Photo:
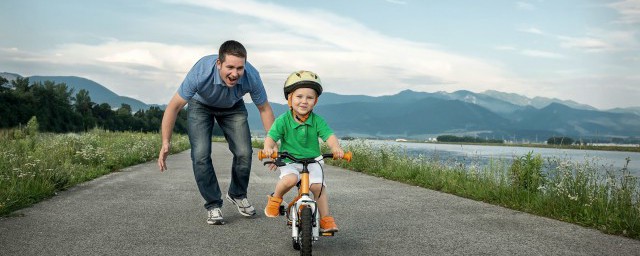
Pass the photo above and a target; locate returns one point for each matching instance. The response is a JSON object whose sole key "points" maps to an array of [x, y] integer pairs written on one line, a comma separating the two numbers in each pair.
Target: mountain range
{"points": [[420, 115]]}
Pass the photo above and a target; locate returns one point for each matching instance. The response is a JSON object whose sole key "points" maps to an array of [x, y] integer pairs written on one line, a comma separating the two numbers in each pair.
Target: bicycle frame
{"points": [[294, 211]]}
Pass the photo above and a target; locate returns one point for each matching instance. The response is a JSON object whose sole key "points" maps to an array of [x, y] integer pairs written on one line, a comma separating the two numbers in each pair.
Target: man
{"points": [[214, 88]]}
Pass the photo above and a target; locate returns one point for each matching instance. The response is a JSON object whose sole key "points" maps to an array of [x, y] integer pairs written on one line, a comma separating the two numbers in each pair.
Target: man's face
{"points": [[231, 69]]}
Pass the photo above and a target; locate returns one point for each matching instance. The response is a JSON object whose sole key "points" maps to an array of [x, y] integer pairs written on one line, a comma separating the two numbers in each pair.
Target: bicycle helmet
{"points": [[302, 79]]}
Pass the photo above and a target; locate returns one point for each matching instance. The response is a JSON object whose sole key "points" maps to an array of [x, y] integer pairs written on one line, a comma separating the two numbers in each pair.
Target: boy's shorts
{"points": [[315, 172]]}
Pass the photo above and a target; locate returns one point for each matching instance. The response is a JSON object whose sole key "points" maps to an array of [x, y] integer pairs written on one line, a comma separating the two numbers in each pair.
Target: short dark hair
{"points": [[232, 47]]}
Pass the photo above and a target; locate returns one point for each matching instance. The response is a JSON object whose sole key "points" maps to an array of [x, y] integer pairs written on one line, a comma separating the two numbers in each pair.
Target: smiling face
{"points": [[303, 100], [231, 69]]}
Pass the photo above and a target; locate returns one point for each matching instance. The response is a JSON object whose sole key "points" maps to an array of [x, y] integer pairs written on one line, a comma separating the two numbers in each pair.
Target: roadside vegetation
{"points": [[622, 148], [582, 193], [34, 166]]}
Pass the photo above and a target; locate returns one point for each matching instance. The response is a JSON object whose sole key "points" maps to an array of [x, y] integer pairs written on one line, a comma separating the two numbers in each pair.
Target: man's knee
{"points": [[243, 153]]}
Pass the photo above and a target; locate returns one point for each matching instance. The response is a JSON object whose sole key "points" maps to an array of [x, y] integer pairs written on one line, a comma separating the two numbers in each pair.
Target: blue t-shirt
{"points": [[204, 84]]}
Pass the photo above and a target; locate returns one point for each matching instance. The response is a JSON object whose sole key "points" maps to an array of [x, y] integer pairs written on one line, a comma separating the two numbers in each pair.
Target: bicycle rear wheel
{"points": [[306, 230]]}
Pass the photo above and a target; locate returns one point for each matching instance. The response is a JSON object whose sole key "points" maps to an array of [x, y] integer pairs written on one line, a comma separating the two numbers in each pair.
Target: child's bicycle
{"points": [[302, 213]]}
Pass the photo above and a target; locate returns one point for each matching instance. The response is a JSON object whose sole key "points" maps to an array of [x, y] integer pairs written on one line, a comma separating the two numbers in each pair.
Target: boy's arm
{"points": [[270, 146], [334, 145]]}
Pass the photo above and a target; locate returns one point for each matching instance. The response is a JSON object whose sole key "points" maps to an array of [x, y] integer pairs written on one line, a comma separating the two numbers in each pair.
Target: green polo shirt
{"points": [[300, 140]]}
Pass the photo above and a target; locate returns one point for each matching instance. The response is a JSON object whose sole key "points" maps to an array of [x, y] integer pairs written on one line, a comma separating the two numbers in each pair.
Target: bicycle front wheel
{"points": [[306, 230]]}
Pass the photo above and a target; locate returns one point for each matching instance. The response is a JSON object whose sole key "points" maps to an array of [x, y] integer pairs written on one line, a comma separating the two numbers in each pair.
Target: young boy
{"points": [[299, 130]]}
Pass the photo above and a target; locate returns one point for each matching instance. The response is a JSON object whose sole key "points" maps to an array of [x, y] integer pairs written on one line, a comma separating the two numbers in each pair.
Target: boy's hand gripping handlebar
{"points": [[281, 155]]}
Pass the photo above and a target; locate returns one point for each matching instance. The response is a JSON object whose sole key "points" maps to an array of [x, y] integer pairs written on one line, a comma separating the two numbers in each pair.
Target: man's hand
{"points": [[162, 157]]}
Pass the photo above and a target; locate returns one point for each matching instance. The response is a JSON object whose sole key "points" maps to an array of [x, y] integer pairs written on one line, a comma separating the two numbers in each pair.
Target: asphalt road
{"points": [[141, 211]]}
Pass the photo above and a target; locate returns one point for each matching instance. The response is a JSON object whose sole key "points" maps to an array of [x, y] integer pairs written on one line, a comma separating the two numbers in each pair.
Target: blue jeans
{"points": [[235, 127]]}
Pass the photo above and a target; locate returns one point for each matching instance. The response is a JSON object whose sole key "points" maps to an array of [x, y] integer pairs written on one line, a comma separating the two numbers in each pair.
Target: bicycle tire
{"points": [[306, 231], [296, 245]]}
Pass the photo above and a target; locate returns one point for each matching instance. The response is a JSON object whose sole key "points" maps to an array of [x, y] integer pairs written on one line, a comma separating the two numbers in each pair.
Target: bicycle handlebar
{"points": [[347, 156]]}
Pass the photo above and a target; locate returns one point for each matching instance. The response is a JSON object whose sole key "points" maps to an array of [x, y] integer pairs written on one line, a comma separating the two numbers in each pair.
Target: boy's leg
{"points": [[285, 184], [319, 189], [327, 222], [200, 125], [323, 201]]}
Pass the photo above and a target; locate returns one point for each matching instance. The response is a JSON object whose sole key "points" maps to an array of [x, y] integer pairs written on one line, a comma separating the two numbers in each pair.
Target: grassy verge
{"points": [[34, 167], [582, 193], [535, 145]]}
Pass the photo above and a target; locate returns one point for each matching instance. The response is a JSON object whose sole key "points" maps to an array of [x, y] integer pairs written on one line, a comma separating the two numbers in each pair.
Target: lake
{"points": [[482, 154]]}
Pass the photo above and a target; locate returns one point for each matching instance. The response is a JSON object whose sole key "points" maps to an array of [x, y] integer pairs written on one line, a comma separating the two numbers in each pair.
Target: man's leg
{"points": [[200, 128], [236, 130]]}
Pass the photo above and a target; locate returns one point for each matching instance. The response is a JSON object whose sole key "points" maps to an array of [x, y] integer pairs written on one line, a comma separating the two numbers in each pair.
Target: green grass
{"points": [[584, 193], [36, 166]]}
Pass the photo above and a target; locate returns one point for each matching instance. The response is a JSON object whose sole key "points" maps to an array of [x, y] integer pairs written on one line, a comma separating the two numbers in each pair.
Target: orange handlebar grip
{"points": [[261, 155], [347, 156]]}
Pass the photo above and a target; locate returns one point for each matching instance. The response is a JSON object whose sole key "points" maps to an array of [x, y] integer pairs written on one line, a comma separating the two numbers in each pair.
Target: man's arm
{"points": [[266, 115], [168, 121]]}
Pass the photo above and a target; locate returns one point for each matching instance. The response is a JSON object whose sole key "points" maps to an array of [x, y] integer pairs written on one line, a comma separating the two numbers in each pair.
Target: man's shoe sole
{"points": [[216, 222], [240, 207]]}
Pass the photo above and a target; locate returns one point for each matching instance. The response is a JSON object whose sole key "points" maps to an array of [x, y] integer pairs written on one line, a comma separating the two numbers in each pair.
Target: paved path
{"points": [[140, 211]]}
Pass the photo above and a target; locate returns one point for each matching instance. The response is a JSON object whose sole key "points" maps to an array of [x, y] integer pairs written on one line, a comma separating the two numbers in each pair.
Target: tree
{"points": [[84, 105], [3, 81], [560, 141]]}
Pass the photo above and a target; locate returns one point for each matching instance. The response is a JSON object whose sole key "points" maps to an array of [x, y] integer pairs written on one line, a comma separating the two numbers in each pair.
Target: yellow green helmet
{"points": [[302, 79]]}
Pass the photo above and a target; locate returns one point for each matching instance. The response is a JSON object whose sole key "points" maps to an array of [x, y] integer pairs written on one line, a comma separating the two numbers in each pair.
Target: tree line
{"points": [[466, 139], [58, 110]]}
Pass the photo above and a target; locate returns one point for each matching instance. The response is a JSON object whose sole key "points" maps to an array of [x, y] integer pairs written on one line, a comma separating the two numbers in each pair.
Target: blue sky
{"points": [[586, 51]]}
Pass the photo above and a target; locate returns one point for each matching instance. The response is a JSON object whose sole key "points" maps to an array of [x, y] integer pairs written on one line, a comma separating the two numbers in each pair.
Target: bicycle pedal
{"points": [[282, 210], [327, 233]]}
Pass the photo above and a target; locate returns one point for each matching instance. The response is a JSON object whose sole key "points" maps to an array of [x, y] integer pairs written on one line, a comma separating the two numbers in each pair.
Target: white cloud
{"points": [[147, 71], [396, 1], [525, 6], [542, 54], [505, 48], [532, 30], [629, 11], [350, 57], [599, 40]]}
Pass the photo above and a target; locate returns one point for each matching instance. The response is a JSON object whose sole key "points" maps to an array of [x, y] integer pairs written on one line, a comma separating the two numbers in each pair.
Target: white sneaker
{"points": [[215, 217], [244, 207]]}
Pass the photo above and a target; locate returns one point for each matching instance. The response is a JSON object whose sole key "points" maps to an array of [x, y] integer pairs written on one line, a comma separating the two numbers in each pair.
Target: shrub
{"points": [[526, 172]]}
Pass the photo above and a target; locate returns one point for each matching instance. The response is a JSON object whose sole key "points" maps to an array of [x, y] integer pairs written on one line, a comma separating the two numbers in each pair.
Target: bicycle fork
{"points": [[304, 200], [295, 210]]}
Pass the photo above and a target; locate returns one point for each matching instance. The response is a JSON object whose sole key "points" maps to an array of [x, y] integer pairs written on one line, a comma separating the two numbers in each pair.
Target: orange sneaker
{"points": [[328, 224], [273, 207]]}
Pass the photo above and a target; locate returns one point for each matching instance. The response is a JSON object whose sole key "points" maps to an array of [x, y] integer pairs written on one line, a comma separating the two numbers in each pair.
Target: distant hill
{"points": [[562, 119], [98, 93], [9, 76], [420, 115], [536, 102]]}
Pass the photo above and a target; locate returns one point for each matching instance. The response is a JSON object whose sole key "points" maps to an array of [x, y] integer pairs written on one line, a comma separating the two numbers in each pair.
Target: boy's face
{"points": [[303, 100], [231, 69]]}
